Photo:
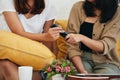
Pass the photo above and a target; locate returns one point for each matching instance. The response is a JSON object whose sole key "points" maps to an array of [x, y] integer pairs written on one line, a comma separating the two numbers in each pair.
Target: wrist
{"points": [[82, 37], [45, 37]]}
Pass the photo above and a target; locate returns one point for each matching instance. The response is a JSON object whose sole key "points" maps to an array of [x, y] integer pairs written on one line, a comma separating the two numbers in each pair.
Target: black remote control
{"points": [[63, 34]]}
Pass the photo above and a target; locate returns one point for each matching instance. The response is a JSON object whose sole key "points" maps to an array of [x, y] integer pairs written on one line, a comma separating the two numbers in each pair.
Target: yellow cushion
{"points": [[62, 47], [24, 51], [118, 46]]}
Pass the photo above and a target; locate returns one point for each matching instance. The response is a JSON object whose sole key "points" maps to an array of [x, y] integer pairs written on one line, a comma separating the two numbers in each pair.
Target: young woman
{"points": [[28, 18], [94, 27]]}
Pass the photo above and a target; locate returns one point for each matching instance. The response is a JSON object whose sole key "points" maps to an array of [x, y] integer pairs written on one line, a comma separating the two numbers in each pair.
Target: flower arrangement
{"points": [[63, 67]]}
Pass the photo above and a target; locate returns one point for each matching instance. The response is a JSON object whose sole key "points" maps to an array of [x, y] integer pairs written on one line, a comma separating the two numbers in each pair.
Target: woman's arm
{"points": [[72, 27], [47, 25], [50, 45], [76, 60], [16, 27], [92, 44]]}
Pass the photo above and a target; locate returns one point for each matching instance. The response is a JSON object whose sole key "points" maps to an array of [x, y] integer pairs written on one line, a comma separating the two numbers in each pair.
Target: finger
{"points": [[56, 35], [70, 40], [67, 37], [57, 28]]}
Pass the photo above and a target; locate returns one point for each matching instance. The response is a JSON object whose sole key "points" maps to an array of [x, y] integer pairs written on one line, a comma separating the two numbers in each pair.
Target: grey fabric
{"points": [[103, 68]]}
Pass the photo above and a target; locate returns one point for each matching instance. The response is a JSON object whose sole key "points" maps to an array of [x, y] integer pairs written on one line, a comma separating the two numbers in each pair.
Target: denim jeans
{"points": [[100, 68]]}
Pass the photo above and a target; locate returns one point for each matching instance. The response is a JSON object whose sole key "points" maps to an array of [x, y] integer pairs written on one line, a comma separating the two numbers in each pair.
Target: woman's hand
{"points": [[74, 38], [53, 33], [84, 72], [95, 45]]}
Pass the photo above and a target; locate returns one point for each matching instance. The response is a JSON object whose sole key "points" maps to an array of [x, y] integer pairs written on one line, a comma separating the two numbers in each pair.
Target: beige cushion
{"points": [[24, 51]]}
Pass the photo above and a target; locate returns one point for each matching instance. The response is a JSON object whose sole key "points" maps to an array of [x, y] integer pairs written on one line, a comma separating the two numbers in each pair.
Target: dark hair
{"points": [[89, 9], [23, 7], [107, 8]]}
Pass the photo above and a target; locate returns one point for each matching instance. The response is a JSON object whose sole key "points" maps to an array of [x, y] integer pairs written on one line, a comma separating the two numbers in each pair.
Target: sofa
{"points": [[11, 44]]}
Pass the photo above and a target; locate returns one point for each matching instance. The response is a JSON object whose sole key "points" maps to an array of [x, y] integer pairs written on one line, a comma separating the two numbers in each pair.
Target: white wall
{"points": [[63, 7]]}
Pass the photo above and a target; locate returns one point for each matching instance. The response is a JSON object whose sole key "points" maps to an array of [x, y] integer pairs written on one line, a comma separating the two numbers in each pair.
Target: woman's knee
{"points": [[5, 64], [9, 70], [107, 69], [7, 67]]}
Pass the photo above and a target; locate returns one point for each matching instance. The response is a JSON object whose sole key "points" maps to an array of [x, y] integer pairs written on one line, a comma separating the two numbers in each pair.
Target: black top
{"points": [[86, 29]]}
